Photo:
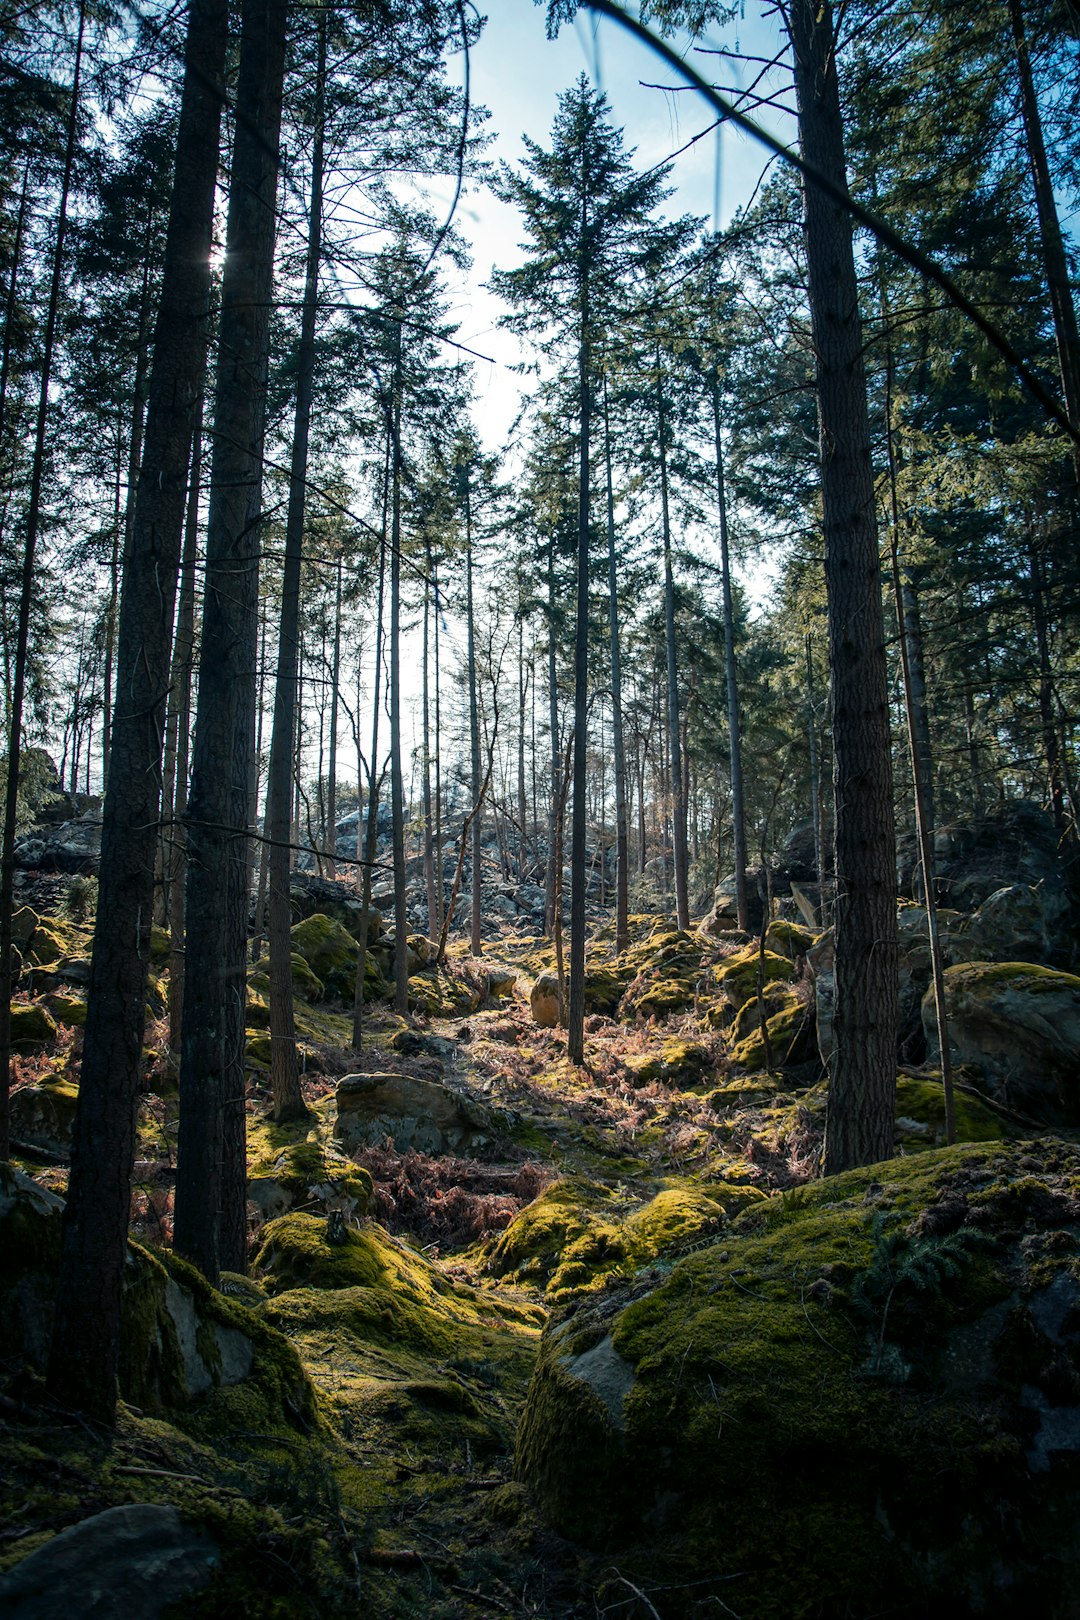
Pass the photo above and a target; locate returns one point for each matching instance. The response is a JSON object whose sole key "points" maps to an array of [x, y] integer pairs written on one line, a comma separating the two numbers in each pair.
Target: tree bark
{"points": [[862, 1081], [85, 1347], [218, 811], [1055, 262], [288, 1101], [183, 665], [477, 830], [679, 851], [575, 1013], [397, 785], [738, 810], [618, 741]]}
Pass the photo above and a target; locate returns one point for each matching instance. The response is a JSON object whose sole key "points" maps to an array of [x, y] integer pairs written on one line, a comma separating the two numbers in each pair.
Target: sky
{"points": [[518, 74]]}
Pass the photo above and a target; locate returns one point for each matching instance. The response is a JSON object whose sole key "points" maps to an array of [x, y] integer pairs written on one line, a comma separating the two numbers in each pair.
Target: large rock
{"points": [[43, 1117], [309, 894], [74, 846], [896, 1353], [1016, 843], [723, 918], [545, 1001], [1018, 1025], [1019, 923], [411, 1112], [130, 1560], [181, 1341]]}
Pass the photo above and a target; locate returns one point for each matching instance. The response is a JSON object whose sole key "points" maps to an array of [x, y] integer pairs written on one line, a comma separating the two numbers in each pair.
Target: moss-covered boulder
{"points": [[1016, 1025], [330, 951], [664, 973], [181, 1341], [866, 1400], [32, 1026], [577, 1236], [43, 1117], [67, 1008], [790, 1033], [920, 1113], [788, 939], [450, 990], [303, 1172], [737, 978], [412, 1112], [677, 1062]]}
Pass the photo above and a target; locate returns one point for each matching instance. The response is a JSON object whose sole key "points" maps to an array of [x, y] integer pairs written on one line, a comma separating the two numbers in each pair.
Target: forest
{"points": [[539, 963]]}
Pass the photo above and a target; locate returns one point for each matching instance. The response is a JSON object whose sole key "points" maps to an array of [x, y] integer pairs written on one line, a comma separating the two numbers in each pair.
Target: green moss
{"points": [[791, 1039], [304, 982], [788, 938], [737, 975], [922, 1102], [752, 1412], [32, 1026], [160, 944], [449, 991], [66, 1008], [678, 1062], [331, 953], [663, 973], [577, 1236]]}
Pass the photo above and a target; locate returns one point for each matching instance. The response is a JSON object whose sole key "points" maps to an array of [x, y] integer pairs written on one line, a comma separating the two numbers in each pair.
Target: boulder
{"points": [[330, 951], [413, 1113], [896, 1352], [44, 1116], [723, 918], [309, 894], [180, 1340], [134, 1559], [32, 1026], [545, 1001], [73, 846], [1016, 843], [1019, 923], [1017, 1025]]}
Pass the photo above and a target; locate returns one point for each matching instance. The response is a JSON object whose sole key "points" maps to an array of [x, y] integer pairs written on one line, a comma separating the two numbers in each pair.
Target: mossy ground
{"points": [[394, 1480]]}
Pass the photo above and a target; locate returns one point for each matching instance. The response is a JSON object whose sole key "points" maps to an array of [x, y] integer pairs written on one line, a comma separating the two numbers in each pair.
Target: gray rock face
{"points": [[128, 1561], [235, 1353], [1018, 1025], [411, 1112], [43, 1117], [545, 1002]]}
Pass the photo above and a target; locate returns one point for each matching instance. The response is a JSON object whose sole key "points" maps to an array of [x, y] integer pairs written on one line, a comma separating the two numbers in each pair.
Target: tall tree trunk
{"points": [[1051, 749], [179, 721], [738, 810], [335, 699], [26, 596], [815, 777], [475, 941], [434, 921], [862, 1082], [86, 1332], [575, 1014], [371, 828], [522, 795], [397, 785], [1055, 262], [218, 812], [618, 741], [138, 414], [679, 851], [556, 762], [288, 1101]]}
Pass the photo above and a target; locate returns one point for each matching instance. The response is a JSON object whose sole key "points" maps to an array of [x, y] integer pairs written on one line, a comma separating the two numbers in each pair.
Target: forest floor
{"points": [[419, 1334]]}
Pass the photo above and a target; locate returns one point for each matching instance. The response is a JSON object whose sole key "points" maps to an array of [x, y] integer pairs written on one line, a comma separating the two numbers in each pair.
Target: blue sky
{"points": [[518, 74]]}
